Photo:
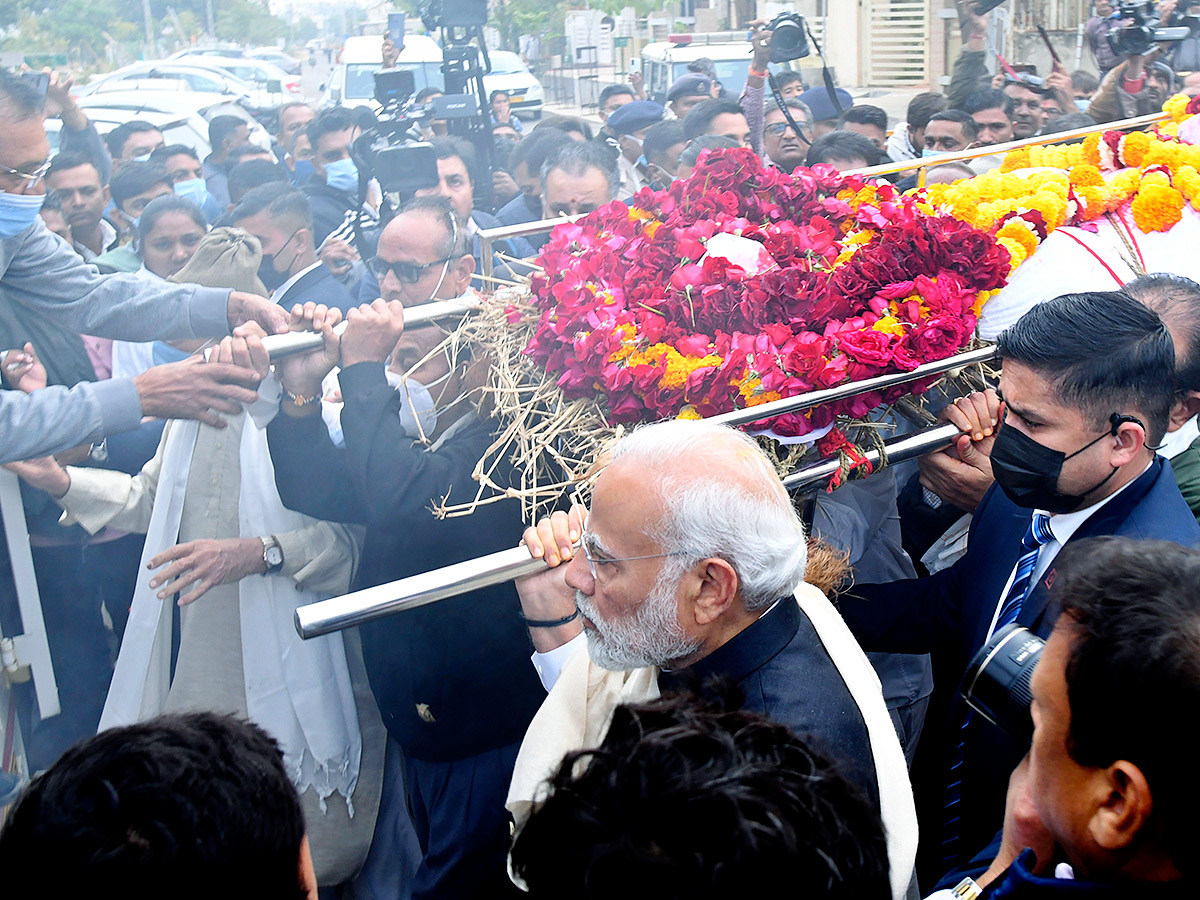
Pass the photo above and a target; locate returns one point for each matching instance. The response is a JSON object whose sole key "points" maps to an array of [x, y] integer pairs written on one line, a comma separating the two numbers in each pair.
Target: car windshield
{"points": [[506, 63]]}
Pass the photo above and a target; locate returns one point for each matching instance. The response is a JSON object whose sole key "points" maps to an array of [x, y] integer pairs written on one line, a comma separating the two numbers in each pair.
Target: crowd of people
{"points": [[675, 705]]}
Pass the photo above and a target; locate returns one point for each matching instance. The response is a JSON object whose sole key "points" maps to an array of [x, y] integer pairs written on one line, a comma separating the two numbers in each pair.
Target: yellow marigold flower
{"points": [[1157, 208], [889, 325], [651, 228], [1093, 202], [689, 412], [1176, 107], [1085, 175], [1015, 250], [1019, 231], [1016, 159], [1134, 146], [1089, 150], [679, 367]]}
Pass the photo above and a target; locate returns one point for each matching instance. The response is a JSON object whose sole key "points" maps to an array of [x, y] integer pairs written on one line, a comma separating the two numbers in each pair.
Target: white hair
{"points": [[748, 521]]}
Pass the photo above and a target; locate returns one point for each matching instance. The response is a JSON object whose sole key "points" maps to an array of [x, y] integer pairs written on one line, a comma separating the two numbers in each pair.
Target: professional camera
{"points": [[997, 681], [789, 39], [1145, 28]]}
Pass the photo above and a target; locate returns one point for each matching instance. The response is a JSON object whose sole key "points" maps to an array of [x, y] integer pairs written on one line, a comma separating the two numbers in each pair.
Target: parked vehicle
{"points": [[352, 82], [664, 61], [509, 73], [146, 75], [263, 75], [285, 61]]}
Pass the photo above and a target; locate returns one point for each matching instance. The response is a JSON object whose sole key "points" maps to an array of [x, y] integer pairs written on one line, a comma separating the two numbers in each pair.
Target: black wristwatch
{"points": [[272, 554]]}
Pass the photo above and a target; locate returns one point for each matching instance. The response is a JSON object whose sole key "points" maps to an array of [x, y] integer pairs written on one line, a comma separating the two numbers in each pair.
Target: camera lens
{"points": [[997, 681]]}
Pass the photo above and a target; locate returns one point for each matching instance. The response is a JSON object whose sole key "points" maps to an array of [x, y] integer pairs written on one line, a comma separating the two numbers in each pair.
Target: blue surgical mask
{"points": [[928, 153], [194, 189], [303, 171], [342, 175], [18, 212], [1082, 104]]}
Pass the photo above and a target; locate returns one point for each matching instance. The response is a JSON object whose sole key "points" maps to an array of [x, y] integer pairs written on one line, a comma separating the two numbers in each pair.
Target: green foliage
{"points": [[63, 25]]}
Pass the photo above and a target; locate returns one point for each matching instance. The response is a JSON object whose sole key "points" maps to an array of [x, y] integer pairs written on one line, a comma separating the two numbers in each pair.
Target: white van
{"points": [[352, 82], [665, 61]]}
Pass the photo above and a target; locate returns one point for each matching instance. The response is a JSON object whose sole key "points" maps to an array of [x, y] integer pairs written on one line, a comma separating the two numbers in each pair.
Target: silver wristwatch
{"points": [[272, 554]]}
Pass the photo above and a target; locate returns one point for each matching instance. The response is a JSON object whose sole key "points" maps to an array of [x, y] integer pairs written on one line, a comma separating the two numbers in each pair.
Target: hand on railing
{"points": [[546, 597], [962, 474]]}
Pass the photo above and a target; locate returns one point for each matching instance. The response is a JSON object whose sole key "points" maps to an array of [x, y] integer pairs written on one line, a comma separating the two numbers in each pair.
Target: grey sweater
{"points": [[39, 271]]}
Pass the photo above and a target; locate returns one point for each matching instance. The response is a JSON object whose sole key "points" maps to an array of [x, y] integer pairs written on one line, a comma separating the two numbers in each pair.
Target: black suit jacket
{"points": [[319, 286], [949, 614]]}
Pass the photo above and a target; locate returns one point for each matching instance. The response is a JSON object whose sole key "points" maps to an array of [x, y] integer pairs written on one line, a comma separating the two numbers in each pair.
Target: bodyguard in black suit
{"points": [[1088, 384], [280, 216]]}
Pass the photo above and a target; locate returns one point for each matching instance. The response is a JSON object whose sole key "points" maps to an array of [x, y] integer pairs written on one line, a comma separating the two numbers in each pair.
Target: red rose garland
{"points": [[855, 281]]}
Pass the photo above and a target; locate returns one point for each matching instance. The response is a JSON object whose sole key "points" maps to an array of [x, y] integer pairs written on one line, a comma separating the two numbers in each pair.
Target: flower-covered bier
{"points": [[855, 281]]}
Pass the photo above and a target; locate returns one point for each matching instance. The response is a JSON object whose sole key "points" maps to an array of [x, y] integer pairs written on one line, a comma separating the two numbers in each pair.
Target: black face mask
{"points": [[268, 275], [1028, 472], [267, 272]]}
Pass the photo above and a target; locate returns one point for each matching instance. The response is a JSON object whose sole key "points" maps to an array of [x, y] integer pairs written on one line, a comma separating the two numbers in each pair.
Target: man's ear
{"points": [[1186, 406], [461, 274], [1123, 810], [718, 589], [107, 194], [1131, 438]]}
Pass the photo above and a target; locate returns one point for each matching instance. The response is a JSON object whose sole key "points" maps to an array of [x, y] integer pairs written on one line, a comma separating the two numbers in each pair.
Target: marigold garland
{"points": [[1151, 173]]}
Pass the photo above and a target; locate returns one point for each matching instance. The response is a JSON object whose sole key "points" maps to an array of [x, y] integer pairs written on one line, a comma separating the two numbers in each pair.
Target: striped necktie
{"points": [[1037, 534]]}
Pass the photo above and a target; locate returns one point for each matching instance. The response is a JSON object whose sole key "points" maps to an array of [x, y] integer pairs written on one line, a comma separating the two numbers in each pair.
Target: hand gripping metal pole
{"points": [[280, 345]]}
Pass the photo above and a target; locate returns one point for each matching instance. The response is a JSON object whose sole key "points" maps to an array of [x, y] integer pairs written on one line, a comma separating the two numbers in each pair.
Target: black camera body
{"points": [[1146, 28], [789, 38]]}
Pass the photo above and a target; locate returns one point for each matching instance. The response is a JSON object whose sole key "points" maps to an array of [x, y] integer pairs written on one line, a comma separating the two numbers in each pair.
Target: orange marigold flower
{"points": [[1157, 208], [1134, 147], [1085, 175]]}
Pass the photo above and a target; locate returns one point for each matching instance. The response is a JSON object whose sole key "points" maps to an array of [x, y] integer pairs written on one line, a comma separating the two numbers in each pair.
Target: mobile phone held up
{"points": [[40, 82]]}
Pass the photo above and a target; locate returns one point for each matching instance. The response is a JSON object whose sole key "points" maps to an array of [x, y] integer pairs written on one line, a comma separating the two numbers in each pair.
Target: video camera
{"points": [[393, 151], [789, 39], [1145, 28]]}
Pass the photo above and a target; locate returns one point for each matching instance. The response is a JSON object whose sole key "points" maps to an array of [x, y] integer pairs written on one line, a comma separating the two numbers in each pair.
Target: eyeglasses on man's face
{"points": [[405, 272], [597, 559], [28, 180]]}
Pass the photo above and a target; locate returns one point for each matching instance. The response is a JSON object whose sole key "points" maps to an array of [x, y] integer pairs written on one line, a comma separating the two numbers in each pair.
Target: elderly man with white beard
{"points": [[690, 569]]}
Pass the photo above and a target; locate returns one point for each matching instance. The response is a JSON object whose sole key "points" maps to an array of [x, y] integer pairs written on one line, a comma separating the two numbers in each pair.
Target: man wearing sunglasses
{"points": [[39, 271], [452, 680]]}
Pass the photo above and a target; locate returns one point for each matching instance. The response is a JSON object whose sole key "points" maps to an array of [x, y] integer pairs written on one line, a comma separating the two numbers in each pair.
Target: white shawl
{"points": [[299, 691]]}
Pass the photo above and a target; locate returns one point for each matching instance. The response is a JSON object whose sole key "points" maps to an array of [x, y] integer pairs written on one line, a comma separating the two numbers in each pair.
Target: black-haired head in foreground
{"points": [[189, 806], [689, 800]]}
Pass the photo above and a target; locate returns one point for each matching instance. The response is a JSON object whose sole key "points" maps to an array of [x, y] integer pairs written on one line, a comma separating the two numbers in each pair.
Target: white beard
{"points": [[652, 636]]}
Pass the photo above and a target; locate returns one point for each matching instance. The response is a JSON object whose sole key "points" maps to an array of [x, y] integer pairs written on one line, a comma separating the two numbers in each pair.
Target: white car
{"points": [[285, 61], [260, 73], [182, 116], [148, 75], [509, 73]]}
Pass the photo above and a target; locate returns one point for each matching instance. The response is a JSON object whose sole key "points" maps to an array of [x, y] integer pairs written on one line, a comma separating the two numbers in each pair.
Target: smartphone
{"points": [[635, 66], [395, 29], [39, 80]]}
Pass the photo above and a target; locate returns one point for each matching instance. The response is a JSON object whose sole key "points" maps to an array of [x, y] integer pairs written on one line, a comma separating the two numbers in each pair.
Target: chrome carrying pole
{"points": [[372, 603], [280, 345], [853, 388]]}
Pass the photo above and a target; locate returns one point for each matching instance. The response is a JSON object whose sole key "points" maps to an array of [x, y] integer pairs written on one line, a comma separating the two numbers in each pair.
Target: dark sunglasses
{"points": [[406, 273]]}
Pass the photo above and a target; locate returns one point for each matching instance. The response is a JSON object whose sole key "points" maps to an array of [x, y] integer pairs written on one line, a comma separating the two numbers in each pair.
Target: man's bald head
{"points": [[1176, 299]]}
